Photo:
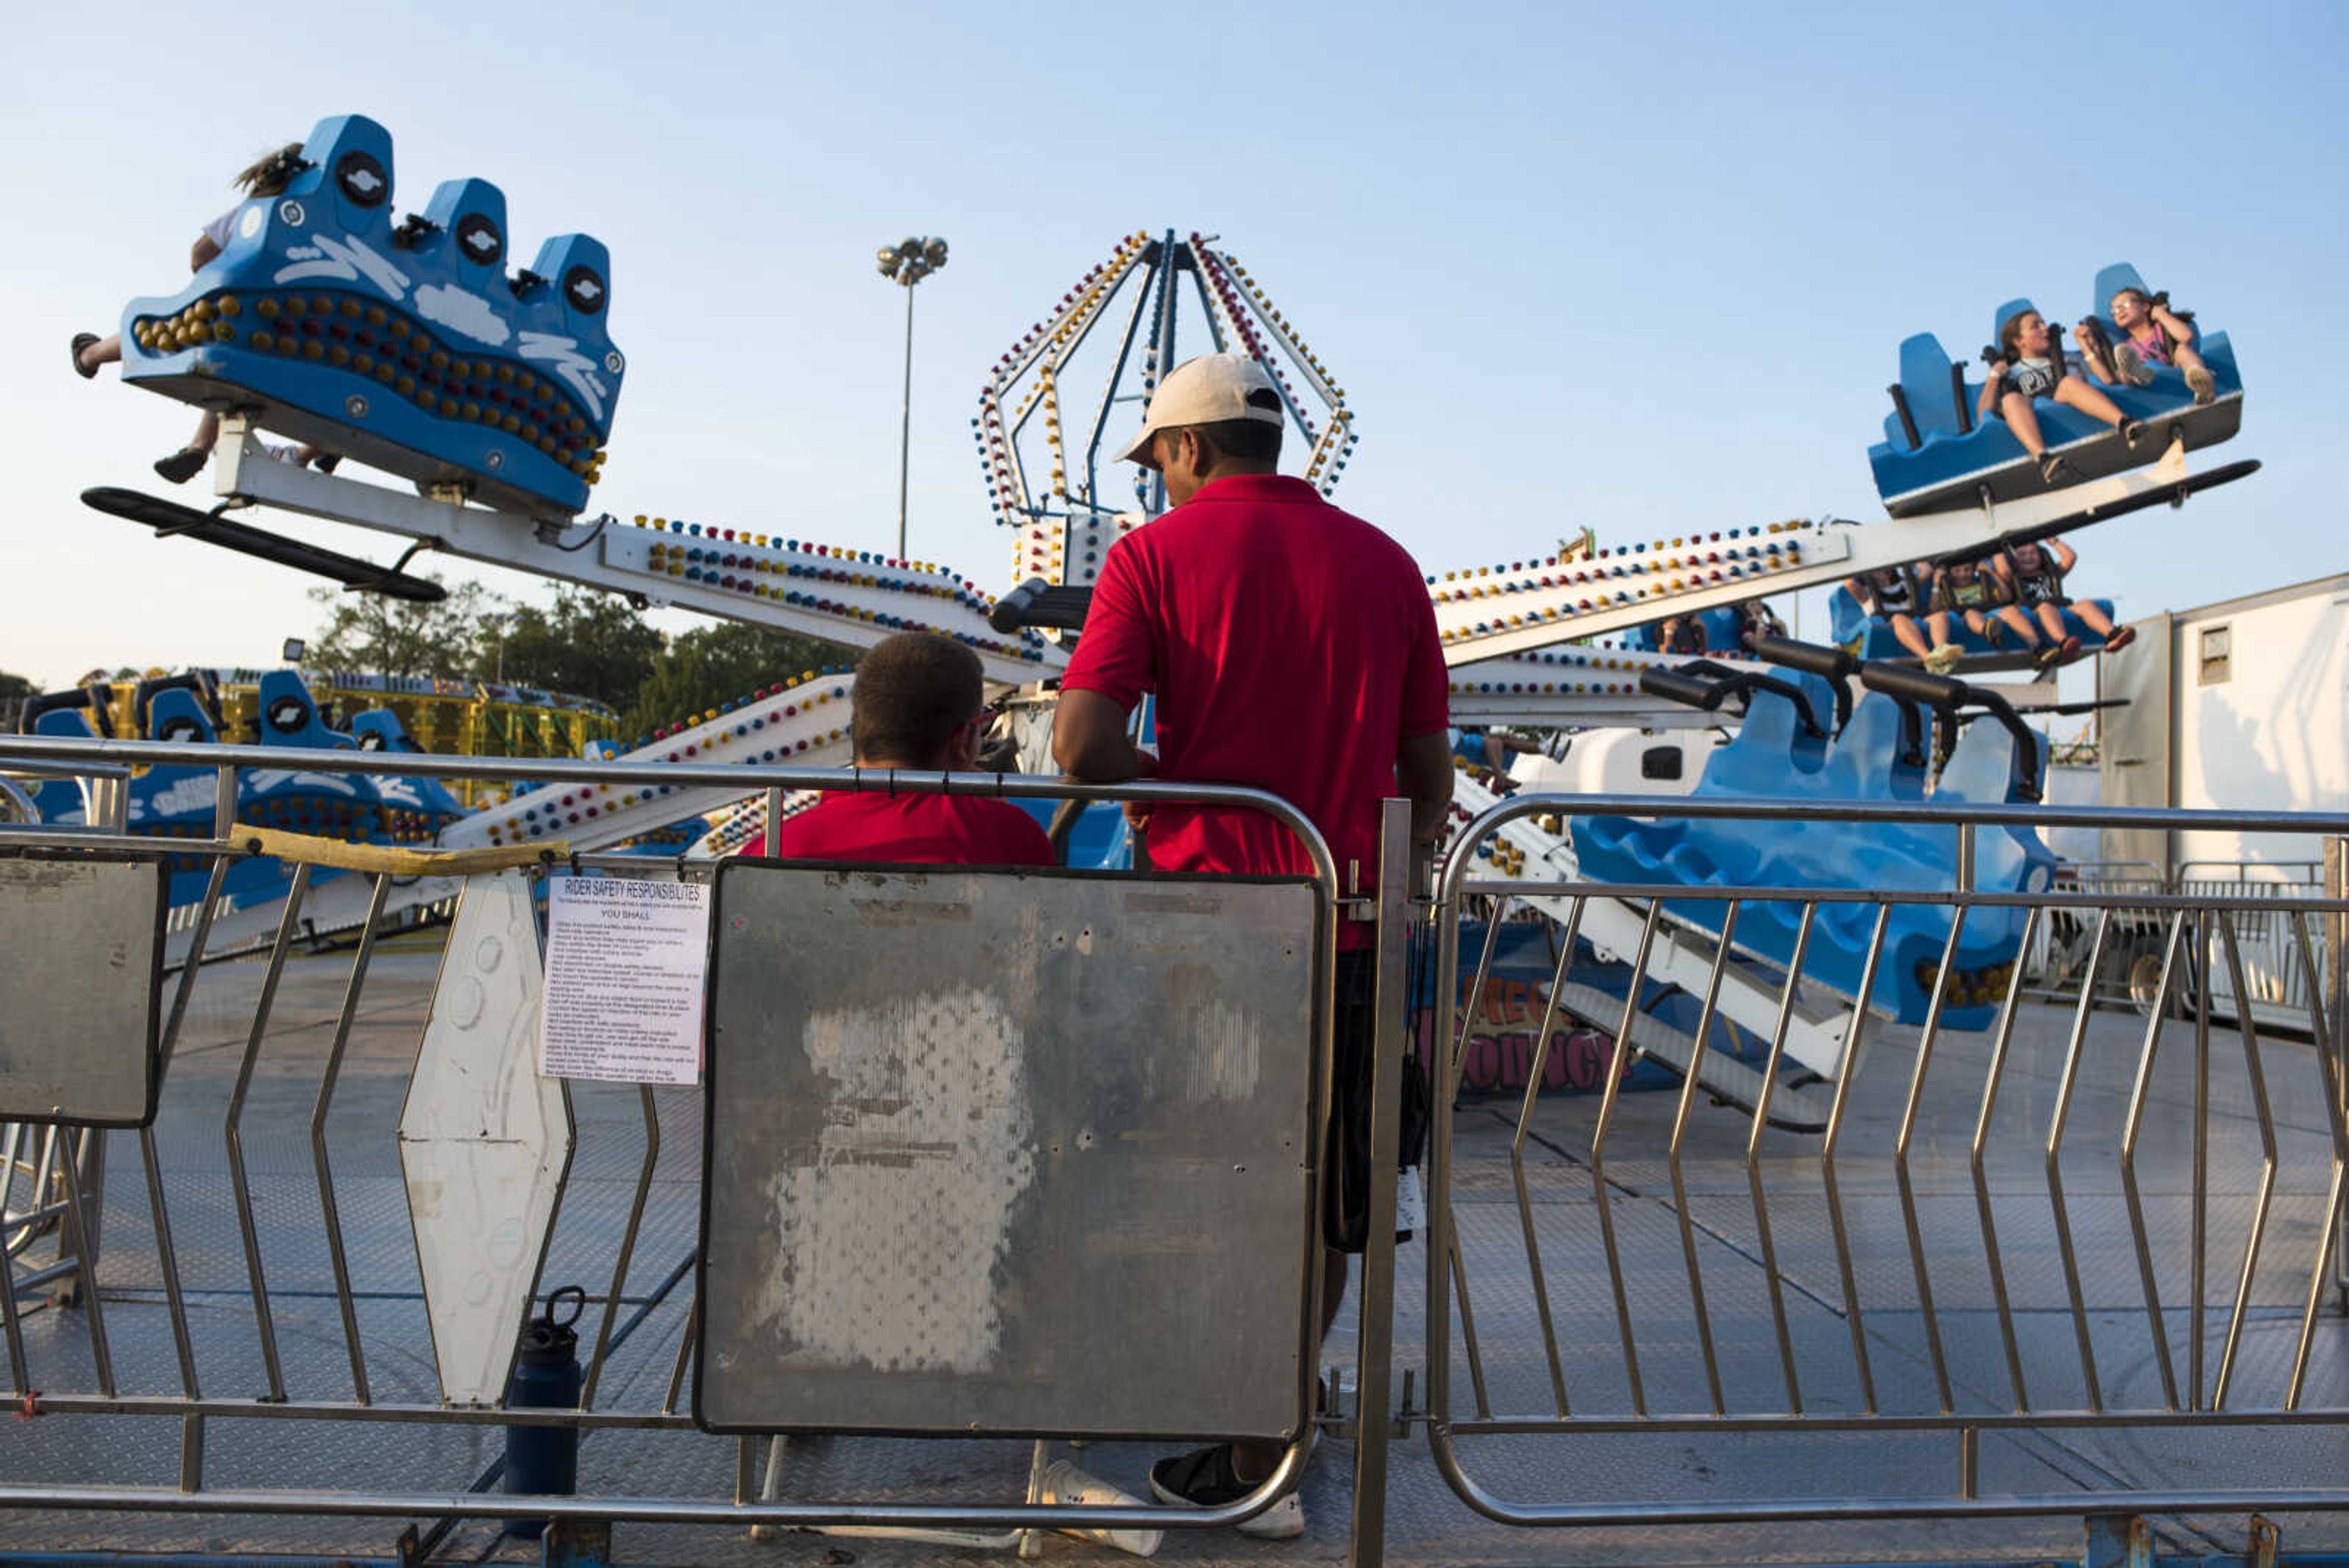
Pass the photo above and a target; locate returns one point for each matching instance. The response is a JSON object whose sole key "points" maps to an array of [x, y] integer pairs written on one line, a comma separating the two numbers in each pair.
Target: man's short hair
{"points": [[913, 691], [1249, 440]]}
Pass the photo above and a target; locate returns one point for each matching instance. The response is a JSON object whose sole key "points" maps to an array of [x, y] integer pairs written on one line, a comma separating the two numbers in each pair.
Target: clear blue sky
{"points": [[1641, 268]]}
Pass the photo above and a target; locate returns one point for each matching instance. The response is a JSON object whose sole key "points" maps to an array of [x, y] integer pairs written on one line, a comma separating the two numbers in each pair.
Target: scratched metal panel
{"points": [[485, 1141], [1007, 1152], [80, 970]]}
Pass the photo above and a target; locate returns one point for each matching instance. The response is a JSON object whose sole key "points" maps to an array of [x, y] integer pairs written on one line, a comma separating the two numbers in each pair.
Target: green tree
{"points": [[711, 665], [589, 645], [15, 686], [375, 635]]}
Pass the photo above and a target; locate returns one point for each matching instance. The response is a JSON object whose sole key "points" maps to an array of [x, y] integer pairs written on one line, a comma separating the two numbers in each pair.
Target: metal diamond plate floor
{"points": [[1427, 1524]]}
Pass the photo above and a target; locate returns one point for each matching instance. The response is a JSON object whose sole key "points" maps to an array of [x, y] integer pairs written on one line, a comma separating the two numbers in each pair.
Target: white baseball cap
{"points": [[1206, 390]]}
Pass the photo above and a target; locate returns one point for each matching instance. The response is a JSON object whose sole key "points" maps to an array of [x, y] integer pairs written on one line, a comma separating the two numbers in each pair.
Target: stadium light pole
{"points": [[906, 264]]}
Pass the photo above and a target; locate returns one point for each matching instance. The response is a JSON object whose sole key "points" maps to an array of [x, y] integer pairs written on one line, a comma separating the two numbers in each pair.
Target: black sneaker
{"points": [[2054, 470], [1204, 1478], [181, 465]]}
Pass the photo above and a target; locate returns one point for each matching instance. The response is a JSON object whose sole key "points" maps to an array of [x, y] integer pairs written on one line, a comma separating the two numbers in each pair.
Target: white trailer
{"points": [[2244, 705]]}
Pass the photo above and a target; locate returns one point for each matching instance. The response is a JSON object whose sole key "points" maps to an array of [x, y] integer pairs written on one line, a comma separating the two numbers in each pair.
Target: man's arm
{"points": [[1089, 740], [1424, 767]]}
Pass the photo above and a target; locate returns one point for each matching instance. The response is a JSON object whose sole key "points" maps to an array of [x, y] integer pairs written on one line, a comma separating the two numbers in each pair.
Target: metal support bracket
{"points": [[2116, 1541], [2261, 1552], [577, 1544]]}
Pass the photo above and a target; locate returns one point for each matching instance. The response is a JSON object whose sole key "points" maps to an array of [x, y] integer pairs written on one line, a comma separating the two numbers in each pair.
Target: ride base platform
{"points": [[1427, 1524]]}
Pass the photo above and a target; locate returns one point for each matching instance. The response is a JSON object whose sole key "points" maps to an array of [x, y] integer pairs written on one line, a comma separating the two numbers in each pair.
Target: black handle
{"points": [[1037, 603], [1809, 658], [578, 1295], [1676, 688], [1908, 420], [1011, 611], [1915, 685], [1958, 395]]}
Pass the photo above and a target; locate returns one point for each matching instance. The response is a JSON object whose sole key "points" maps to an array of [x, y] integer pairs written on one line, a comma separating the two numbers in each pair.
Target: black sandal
{"points": [[83, 341]]}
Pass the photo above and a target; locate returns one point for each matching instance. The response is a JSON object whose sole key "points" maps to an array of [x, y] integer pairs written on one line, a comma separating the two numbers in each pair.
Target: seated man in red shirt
{"points": [[919, 704], [1293, 649]]}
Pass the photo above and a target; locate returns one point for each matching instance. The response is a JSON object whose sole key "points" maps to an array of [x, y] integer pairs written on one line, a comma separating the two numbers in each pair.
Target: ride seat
{"points": [[406, 346]]}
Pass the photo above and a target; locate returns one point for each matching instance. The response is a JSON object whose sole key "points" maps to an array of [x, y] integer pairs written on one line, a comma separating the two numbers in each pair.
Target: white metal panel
{"points": [[485, 1141]]}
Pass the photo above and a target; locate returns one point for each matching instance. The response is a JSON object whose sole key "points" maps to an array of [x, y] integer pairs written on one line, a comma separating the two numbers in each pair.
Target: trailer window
{"points": [[2218, 647]]}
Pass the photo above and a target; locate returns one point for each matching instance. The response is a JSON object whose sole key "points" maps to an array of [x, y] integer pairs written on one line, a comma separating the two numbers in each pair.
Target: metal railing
{"points": [[2040, 1270], [277, 1379], [2272, 980], [2066, 1223]]}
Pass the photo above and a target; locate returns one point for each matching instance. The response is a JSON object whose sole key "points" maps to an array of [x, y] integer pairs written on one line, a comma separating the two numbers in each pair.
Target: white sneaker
{"points": [[1204, 1478]]}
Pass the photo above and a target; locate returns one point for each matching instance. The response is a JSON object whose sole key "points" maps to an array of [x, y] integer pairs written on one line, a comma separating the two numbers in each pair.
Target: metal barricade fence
{"points": [[2062, 1262], [271, 1276], [2272, 979]]}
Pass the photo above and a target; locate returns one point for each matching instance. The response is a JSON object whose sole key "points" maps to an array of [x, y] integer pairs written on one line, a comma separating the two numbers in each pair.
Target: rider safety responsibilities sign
{"points": [[625, 965]]}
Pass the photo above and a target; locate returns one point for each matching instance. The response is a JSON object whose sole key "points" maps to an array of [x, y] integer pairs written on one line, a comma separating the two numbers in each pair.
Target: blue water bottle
{"points": [[544, 1460]]}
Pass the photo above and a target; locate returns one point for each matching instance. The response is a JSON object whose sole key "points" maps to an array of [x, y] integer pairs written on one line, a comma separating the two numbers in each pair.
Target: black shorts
{"points": [[1345, 1164]]}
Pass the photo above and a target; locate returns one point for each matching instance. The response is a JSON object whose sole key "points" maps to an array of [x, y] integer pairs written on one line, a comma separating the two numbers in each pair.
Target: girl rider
{"points": [[268, 176], [2031, 366], [1962, 589], [2035, 572], [2157, 334], [1891, 595]]}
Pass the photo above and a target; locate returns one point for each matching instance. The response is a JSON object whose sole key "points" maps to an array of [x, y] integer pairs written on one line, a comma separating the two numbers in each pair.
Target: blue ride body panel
{"points": [[1947, 469], [1862, 636], [513, 389], [1767, 759], [1100, 841], [428, 803]]}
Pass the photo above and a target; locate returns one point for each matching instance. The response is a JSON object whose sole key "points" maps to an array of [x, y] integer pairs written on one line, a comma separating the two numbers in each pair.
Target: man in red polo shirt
{"points": [[919, 704], [1292, 647]]}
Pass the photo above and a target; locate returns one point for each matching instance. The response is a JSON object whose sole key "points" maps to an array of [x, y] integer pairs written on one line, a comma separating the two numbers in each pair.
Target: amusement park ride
{"points": [[409, 346]]}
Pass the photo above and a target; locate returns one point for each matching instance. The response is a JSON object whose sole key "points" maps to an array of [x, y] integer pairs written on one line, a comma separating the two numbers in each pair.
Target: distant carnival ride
{"points": [[409, 346]]}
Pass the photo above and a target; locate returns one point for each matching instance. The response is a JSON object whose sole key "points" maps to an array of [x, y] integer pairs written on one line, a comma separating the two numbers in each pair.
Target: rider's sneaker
{"points": [[181, 465], [2204, 384], [2131, 365], [1204, 1478], [1944, 658]]}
